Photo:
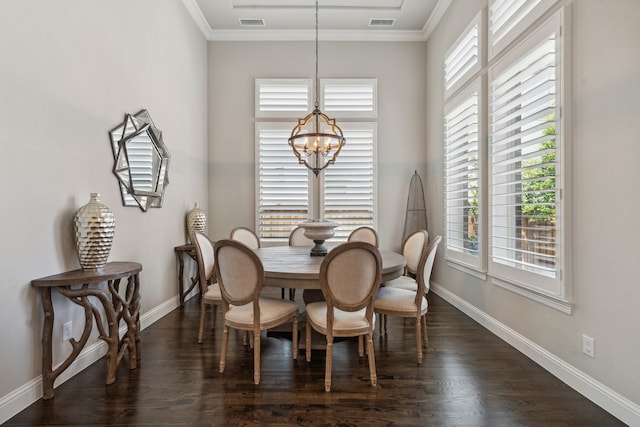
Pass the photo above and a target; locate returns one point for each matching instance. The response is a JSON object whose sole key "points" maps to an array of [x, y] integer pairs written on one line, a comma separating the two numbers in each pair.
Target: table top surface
{"points": [[293, 263], [111, 271]]}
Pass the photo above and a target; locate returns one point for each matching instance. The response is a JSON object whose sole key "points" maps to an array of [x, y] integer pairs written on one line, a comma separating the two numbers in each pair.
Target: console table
{"points": [[78, 286], [190, 250]]}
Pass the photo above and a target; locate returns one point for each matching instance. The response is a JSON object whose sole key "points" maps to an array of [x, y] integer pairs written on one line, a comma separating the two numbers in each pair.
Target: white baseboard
{"points": [[23, 396], [609, 400]]}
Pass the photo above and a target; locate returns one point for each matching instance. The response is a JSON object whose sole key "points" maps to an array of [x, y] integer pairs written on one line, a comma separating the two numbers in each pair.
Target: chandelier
{"points": [[317, 139]]}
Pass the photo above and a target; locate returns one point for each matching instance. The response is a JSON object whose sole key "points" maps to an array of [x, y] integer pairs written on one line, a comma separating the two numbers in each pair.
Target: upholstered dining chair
{"points": [[241, 278], [402, 302], [364, 234], [412, 248], [209, 288], [297, 238], [349, 278], [246, 236]]}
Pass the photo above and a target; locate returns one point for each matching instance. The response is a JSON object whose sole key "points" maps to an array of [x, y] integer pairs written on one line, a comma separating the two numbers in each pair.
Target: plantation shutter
{"points": [[283, 195], [463, 57], [523, 162], [461, 175], [510, 18], [349, 183], [283, 98]]}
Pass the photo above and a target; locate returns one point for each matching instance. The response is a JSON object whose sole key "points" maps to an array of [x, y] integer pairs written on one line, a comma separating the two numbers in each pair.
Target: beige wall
{"points": [[400, 69], [604, 110], [69, 71]]}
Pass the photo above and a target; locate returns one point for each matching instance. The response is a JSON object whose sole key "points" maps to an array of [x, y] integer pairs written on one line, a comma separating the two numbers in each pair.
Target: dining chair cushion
{"points": [[342, 321], [402, 282], [271, 310], [399, 301]]}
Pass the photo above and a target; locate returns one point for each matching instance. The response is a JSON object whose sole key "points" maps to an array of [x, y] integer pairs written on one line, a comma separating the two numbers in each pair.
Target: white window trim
{"points": [[563, 301], [524, 283], [287, 119]]}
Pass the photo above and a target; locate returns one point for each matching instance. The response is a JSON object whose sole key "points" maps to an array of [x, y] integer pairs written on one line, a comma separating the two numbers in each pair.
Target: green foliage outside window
{"points": [[539, 184]]}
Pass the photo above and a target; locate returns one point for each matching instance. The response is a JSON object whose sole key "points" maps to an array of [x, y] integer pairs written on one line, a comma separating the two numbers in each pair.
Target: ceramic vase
{"points": [[196, 221], [93, 227]]}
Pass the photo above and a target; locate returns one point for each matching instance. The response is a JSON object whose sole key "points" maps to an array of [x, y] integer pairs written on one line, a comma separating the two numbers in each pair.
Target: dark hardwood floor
{"points": [[469, 377]]}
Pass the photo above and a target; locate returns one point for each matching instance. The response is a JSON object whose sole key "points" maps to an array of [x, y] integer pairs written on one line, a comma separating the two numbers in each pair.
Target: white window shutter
{"points": [[349, 182], [462, 178], [283, 184], [524, 164]]}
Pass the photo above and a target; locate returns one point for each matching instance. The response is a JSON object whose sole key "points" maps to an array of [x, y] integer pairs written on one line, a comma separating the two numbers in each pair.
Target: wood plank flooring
{"points": [[469, 377]]}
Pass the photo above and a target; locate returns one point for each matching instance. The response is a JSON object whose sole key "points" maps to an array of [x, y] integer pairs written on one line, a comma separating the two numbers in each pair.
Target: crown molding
{"points": [[197, 16], [435, 17], [325, 35]]}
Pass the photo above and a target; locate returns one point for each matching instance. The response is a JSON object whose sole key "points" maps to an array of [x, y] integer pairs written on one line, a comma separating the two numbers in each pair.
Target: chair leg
{"points": [[372, 360], [425, 337], [329, 361], [223, 352], [385, 320], [214, 312], [203, 314], [256, 357], [419, 339], [292, 294], [308, 342], [295, 338], [360, 346]]}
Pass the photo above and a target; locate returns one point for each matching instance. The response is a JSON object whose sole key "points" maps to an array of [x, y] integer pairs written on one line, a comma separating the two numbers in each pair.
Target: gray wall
{"points": [[400, 69], [69, 71], [604, 116]]}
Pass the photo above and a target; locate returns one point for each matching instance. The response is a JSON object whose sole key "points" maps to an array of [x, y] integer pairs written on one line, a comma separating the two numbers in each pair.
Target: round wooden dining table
{"points": [[293, 267]]}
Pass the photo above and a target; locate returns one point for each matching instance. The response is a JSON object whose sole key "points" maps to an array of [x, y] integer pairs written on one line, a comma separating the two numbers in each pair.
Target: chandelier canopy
{"points": [[317, 139]]}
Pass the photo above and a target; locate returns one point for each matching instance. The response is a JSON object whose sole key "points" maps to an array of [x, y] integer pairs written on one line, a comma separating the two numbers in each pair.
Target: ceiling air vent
{"points": [[251, 22], [373, 22]]}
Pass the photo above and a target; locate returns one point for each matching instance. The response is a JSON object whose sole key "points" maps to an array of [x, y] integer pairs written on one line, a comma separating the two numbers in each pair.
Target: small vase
{"points": [[196, 221], [93, 227]]}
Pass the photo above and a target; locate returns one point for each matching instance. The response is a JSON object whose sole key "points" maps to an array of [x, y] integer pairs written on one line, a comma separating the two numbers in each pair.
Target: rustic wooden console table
{"points": [[78, 286], [190, 250]]}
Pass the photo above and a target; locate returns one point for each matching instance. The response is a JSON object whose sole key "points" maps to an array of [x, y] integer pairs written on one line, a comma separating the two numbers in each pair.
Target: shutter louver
{"points": [[463, 58]]}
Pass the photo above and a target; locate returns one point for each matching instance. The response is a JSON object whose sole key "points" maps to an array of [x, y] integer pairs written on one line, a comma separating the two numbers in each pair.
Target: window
{"points": [[462, 150], [288, 192], [462, 178], [510, 175]]}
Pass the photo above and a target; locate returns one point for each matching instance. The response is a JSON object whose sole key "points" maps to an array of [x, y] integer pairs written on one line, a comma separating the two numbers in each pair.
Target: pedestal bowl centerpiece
{"points": [[318, 230]]}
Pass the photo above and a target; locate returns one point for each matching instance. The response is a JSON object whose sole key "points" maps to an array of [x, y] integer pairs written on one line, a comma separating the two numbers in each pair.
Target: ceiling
{"points": [[349, 20]]}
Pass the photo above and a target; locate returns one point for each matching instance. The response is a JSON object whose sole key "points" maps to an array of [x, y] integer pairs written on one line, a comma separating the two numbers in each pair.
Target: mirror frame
{"points": [[125, 142]]}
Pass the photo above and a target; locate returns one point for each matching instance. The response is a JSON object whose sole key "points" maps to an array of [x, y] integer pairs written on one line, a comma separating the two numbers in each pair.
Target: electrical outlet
{"points": [[588, 346], [66, 330]]}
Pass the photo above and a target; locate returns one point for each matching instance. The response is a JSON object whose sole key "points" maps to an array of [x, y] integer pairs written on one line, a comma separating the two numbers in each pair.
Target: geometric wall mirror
{"points": [[141, 161]]}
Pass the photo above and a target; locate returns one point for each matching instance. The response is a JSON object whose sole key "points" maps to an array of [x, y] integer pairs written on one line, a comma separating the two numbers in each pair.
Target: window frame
{"points": [[287, 120], [547, 12]]}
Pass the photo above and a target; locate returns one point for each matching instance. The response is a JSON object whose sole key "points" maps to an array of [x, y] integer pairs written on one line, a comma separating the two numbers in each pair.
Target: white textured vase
{"points": [[93, 225], [196, 221]]}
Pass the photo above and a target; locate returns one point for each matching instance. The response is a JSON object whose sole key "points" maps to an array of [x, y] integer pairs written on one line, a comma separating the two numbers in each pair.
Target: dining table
{"points": [[292, 266]]}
